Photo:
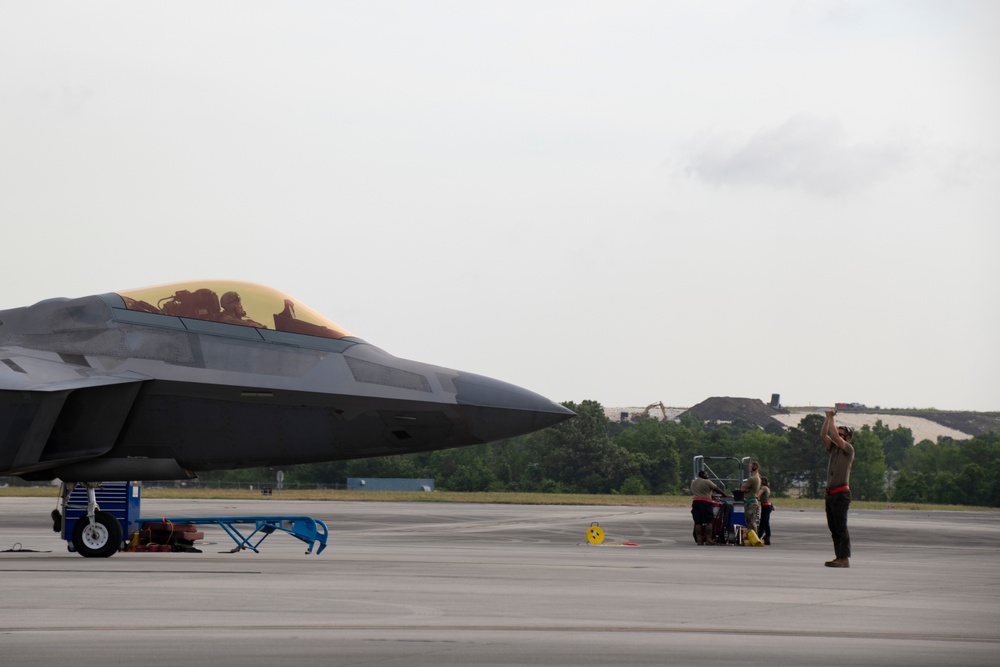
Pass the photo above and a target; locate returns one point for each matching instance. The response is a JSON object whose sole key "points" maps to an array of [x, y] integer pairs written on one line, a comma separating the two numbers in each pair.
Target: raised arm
{"points": [[824, 433], [831, 436]]}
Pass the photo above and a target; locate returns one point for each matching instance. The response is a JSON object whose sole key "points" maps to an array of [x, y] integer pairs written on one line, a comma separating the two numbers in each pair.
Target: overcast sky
{"points": [[629, 202]]}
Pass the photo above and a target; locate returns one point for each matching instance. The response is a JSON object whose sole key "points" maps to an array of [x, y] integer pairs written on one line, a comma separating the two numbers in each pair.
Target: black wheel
{"points": [[99, 540]]}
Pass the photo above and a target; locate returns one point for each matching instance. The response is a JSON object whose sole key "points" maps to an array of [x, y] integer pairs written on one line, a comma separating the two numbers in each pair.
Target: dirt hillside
{"points": [[925, 424]]}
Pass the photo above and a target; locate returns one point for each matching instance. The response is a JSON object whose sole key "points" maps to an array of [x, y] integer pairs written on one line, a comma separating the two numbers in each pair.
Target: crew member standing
{"points": [[750, 488], [765, 510], [702, 489], [837, 441]]}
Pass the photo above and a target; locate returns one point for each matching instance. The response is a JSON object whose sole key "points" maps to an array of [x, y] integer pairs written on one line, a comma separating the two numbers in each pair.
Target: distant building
{"points": [[388, 484]]}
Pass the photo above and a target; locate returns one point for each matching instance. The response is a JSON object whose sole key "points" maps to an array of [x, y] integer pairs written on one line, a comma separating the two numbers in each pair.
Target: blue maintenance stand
{"points": [[120, 501], [303, 528]]}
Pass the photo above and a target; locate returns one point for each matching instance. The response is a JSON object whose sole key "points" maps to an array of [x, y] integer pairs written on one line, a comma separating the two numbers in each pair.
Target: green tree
{"points": [[973, 483], [634, 486], [383, 466], [472, 475], [991, 492], [771, 451], [807, 459], [933, 458], [895, 442], [319, 474], [983, 485], [692, 439], [946, 490], [654, 451], [868, 473], [579, 455], [910, 487]]}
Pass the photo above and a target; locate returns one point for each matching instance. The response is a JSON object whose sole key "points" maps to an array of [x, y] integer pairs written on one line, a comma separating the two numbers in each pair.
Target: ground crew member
{"points": [[765, 510], [702, 489], [751, 506], [837, 441]]}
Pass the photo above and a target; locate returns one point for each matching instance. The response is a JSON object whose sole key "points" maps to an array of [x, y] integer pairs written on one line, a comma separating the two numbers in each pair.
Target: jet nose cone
{"points": [[500, 410]]}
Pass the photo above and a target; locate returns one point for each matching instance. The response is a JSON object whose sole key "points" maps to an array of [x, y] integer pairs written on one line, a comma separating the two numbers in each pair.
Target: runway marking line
{"points": [[516, 628]]}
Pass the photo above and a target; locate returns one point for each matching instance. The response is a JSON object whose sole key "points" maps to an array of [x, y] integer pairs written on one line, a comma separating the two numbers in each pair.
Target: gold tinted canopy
{"points": [[232, 302]]}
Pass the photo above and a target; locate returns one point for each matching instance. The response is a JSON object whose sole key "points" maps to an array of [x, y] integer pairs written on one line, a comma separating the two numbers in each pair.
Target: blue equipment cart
{"points": [[303, 528], [119, 499]]}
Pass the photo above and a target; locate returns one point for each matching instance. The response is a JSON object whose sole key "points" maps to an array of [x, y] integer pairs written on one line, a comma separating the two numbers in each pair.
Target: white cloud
{"points": [[805, 152]]}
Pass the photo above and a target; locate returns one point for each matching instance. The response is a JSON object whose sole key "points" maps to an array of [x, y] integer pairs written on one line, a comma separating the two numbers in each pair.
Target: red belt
{"points": [[766, 504], [704, 500], [837, 489]]}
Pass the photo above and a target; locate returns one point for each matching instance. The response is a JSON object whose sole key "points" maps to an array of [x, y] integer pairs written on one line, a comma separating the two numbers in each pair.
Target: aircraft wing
{"points": [[57, 413]]}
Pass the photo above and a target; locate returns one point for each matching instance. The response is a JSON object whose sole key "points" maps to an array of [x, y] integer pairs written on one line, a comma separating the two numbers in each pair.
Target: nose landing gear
{"points": [[99, 536], [95, 534]]}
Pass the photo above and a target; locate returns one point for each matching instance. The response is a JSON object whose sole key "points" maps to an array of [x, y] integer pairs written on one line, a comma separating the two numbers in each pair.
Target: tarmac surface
{"points": [[463, 584]]}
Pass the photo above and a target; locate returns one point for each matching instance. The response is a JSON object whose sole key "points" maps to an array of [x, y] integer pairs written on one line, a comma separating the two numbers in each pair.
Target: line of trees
{"points": [[592, 454]]}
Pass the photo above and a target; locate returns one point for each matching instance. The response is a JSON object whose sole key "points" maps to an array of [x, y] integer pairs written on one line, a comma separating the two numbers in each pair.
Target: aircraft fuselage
{"points": [[92, 389]]}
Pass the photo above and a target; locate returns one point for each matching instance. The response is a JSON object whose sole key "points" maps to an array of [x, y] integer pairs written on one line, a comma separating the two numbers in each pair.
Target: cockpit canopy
{"points": [[232, 302]]}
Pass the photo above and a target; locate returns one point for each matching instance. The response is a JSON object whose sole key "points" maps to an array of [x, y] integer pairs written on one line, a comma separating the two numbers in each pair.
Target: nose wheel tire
{"points": [[100, 539]]}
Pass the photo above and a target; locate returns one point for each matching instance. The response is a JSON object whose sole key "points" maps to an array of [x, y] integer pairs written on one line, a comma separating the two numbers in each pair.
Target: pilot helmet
{"points": [[228, 299]]}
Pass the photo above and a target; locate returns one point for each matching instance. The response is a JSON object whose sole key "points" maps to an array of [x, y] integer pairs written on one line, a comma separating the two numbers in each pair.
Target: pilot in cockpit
{"points": [[233, 312]]}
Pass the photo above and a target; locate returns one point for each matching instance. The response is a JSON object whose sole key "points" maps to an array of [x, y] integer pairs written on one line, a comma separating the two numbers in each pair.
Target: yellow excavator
{"points": [[639, 416]]}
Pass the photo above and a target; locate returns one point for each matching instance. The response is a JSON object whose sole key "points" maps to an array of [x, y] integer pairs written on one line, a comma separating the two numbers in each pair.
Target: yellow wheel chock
{"points": [[594, 534]]}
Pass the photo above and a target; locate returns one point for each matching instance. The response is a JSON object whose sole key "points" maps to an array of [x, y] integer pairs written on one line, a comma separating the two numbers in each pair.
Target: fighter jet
{"points": [[165, 382]]}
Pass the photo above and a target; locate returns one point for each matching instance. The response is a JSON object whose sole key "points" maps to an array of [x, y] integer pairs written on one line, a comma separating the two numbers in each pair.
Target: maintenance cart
{"points": [[99, 520], [729, 521]]}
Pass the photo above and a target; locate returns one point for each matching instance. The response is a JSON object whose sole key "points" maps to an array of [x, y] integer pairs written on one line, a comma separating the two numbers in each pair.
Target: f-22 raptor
{"points": [[165, 382]]}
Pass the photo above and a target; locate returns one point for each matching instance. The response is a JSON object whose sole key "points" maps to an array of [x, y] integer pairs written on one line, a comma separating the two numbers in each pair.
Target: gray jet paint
{"points": [[104, 388]]}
